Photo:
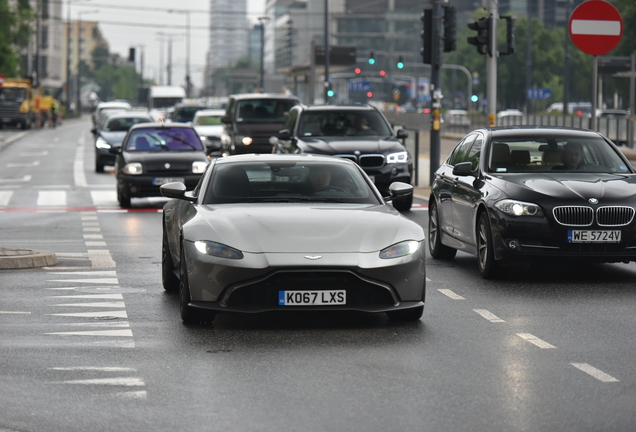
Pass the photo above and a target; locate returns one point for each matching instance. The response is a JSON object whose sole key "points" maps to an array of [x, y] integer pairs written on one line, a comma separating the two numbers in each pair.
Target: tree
{"points": [[16, 25]]}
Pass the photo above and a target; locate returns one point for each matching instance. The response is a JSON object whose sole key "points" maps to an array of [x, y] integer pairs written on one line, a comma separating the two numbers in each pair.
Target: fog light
{"points": [[394, 171], [514, 244]]}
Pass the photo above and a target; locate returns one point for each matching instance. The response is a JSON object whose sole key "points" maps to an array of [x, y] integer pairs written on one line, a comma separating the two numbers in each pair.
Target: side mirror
{"points": [[400, 189], [114, 150], [173, 190], [463, 169], [94, 131], [284, 134], [226, 119], [402, 134]]}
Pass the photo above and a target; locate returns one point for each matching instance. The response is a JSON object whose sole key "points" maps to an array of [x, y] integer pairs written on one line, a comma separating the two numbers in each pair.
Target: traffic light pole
{"points": [[491, 63], [436, 93]]}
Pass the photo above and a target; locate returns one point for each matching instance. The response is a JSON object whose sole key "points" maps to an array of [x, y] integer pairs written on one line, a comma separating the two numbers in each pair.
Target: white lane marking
{"points": [[91, 229], [95, 304], [110, 333], [104, 314], [112, 324], [90, 224], [87, 217], [535, 340], [108, 281], [25, 164], [596, 373], [133, 395], [92, 296], [5, 197], [25, 178], [101, 259], [122, 381], [92, 273], [451, 294], [15, 312], [94, 368], [79, 177], [419, 208], [102, 198], [488, 315], [32, 154], [51, 187], [596, 28], [95, 244], [51, 198], [93, 237]]}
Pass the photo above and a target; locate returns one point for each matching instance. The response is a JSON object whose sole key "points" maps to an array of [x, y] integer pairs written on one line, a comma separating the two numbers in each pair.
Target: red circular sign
{"points": [[1, 79], [596, 27]]}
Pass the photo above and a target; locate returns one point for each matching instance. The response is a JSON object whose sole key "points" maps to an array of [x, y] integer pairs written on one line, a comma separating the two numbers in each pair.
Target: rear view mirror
{"points": [[226, 119], [402, 134], [284, 134]]}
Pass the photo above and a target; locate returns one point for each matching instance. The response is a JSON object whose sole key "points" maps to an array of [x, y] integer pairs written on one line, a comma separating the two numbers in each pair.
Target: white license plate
{"points": [[158, 181], [312, 298], [592, 236]]}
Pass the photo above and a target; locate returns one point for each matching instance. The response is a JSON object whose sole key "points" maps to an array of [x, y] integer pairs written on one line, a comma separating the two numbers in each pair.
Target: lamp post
{"points": [[79, 60], [187, 77], [262, 20], [68, 54], [163, 37]]}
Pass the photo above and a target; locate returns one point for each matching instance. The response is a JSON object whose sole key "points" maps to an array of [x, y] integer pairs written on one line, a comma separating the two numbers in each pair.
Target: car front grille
{"points": [[366, 160], [264, 292], [584, 216]]}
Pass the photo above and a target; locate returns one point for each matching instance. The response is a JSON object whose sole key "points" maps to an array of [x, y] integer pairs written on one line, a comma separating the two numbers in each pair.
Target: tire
{"points": [[412, 314], [488, 267], [168, 277], [99, 167], [403, 204], [435, 246], [123, 198]]}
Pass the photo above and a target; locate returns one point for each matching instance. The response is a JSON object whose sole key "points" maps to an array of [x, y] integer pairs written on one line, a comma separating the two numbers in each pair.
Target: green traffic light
{"points": [[474, 98], [400, 65], [330, 93], [371, 61]]}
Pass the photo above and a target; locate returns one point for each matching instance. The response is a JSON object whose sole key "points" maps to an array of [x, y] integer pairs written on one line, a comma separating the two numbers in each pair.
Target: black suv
{"points": [[360, 133], [252, 121], [184, 112]]}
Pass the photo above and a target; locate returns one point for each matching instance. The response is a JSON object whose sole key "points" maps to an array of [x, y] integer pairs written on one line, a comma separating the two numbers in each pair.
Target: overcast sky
{"points": [[126, 23]]}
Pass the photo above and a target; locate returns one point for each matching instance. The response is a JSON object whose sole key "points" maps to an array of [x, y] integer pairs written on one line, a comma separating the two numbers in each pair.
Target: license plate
{"points": [[592, 236], [158, 181], [312, 298]]}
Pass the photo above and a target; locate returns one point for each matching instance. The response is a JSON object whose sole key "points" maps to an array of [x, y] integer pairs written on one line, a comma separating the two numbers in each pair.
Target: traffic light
{"points": [[482, 40], [357, 71], [328, 90], [369, 94], [371, 58], [474, 98], [383, 74], [427, 36], [400, 63], [450, 28], [330, 93], [131, 55], [510, 35]]}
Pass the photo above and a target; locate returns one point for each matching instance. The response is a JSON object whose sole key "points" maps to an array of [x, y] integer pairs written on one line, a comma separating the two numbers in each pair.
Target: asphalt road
{"points": [[94, 343]]}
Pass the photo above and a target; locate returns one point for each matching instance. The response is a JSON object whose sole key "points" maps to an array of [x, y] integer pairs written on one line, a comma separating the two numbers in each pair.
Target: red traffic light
{"points": [[382, 73], [358, 71], [369, 94]]}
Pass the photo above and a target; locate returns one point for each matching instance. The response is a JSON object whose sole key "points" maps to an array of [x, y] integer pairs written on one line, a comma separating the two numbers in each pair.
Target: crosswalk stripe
{"points": [[104, 314], [111, 333], [122, 381], [5, 196], [95, 304], [103, 198], [51, 198]]}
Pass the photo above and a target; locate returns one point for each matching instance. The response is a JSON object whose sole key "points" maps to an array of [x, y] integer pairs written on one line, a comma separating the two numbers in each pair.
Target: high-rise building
{"points": [[228, 32]]}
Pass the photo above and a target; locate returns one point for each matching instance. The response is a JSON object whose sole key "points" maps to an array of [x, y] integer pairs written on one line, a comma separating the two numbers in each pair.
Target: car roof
{"points": [[189, 104], [113, 105], [271, 157], [241, 96], [533, 131], [129, 114], [210, 112], [356, 107], [155, 125]]}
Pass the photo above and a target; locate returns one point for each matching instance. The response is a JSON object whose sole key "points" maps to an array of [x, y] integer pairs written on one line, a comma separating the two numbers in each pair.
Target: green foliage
{"points": [[117, 79], [16, 25]]}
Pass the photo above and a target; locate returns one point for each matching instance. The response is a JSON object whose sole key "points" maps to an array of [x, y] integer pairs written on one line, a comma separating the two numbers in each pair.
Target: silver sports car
{"points": [[290, 232]]}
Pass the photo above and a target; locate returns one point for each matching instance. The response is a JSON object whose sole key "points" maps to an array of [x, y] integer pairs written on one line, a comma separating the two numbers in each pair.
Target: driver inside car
{"points": [[319, 178]]}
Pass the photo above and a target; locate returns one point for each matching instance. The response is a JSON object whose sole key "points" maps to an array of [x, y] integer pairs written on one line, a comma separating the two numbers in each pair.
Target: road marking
{"points": [[535, 340], [92, 296], [23, 165], [94, 368], [91, 229], [5, 196], [596, 373], [93, 237], [51, 198], [79, 177], [15, 312], [104, 198], [114, 314], [32, 154], [108, 281], [122, 381], [26, 178], [95, 304], [489, 316], [92, 273], [87, 216], [101, 259], [111, 333], [133, 395], [451, 294], [95, 244]]}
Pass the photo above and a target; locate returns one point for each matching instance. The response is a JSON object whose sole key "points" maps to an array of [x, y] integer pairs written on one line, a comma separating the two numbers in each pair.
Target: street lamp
{"points": [[262, 20], [162, 37], [68, 54], [187, 77], [79, 60]]}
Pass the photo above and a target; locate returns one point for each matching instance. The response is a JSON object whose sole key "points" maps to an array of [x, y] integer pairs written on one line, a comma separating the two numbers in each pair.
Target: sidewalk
{"points": [[18, 258]]}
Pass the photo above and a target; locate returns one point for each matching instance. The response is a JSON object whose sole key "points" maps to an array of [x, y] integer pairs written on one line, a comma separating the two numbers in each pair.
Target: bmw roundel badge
{"points": [[593, 201]]}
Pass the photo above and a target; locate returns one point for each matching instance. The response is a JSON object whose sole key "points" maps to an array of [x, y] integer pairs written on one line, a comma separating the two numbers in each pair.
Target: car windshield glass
{"points": [[209, 120], [186, 112], [288, 182], [12, 94], [163, 139], [122, 124], [342, 123], [263, 110], [565, 154]]}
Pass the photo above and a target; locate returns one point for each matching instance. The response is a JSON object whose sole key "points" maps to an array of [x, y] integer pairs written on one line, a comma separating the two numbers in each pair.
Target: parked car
{"points": [[533, 193], [209, 125], [252, 121], [260, 233], [613, 114], [457, 117], [112, 133], [360, 133], [511, 112], [153, 154]]}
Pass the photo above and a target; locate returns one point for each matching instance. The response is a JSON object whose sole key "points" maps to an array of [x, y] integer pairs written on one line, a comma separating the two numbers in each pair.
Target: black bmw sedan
{"points": [[153, 154], [525, 193]]}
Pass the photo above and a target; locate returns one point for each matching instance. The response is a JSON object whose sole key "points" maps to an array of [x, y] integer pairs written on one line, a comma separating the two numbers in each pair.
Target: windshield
{"points": [[163, 139], [209, 120], [288, 182], [566, 154], [263, 110], [12, 94], [184, 114], [165, 102], [343, 123], [122, 124]]}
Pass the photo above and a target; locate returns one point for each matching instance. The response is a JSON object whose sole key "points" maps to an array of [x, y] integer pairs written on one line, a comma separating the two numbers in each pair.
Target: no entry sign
{"points": [[596, 27]]}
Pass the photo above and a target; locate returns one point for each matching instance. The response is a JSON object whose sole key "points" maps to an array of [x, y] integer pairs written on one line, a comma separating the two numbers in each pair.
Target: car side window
{"points": [[291, 121], [461, 152], [475, 152]]}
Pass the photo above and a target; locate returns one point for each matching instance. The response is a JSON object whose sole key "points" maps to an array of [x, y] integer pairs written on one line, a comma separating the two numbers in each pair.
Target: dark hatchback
{"points": [[112, 133], [523, 194], [153, 154], [359, 133]]}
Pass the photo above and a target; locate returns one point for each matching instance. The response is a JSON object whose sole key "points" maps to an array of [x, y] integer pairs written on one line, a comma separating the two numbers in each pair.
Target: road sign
{"points": [[596, 27], [539, 93], [359, 86]]}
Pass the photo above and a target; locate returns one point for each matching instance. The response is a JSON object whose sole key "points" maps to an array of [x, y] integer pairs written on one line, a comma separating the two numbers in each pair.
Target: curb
{"points": [[17, 258]]}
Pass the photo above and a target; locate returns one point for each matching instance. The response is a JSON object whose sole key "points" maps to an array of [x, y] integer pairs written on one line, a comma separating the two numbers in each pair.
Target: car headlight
{"points": [[225, 139], [400, 249], [399, 157], [518, 208], [134, 168], [199, 167], [102, 143], [246, 140], [217, 249], [203, 138]]}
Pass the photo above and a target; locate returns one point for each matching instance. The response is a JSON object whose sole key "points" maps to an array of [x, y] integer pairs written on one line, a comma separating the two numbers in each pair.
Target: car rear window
{"points": [[263, 110], [343, 123], [163, 139], [122, 124]]}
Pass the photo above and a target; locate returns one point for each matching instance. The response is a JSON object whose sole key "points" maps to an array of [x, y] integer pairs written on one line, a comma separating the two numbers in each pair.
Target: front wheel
{"points": [[435, 246], [168, 277], [123, 198], [488, 267]]}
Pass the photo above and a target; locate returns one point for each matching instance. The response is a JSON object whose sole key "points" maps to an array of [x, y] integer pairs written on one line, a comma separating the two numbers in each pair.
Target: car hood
{"points": [[303, 228], [113, 138], [155, 161], [339, 145], [570, 186], [266, 129], [209, 130]]}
